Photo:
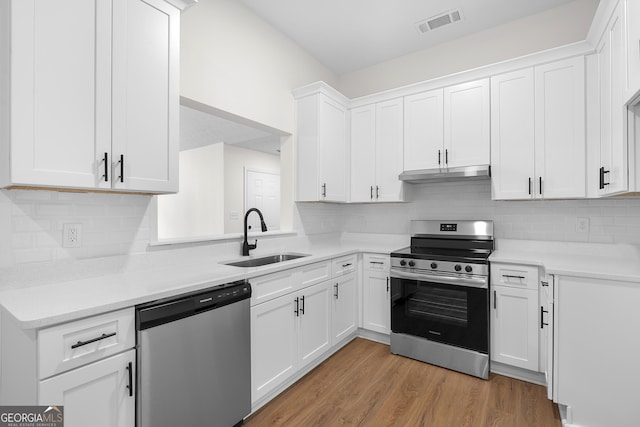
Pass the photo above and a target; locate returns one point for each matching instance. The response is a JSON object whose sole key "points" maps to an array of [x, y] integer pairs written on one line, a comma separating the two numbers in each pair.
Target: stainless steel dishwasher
{"points": [[194, 361]]}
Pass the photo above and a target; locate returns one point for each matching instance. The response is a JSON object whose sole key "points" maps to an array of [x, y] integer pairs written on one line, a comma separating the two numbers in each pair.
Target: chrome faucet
{"points": [[246, 247]]}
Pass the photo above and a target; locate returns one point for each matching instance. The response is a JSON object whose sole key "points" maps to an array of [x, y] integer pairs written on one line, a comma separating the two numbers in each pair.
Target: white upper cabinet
{"points": [[376, 152], [612, 168], [321, 146], [467, 131], [632, 21], [423, 130], [448, 127], [538, 143], [512, 135], [560, 142], [90, 86]]}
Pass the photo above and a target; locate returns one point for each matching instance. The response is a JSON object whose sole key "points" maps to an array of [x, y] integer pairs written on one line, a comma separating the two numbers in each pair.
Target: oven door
{"points": [[446, 309]]}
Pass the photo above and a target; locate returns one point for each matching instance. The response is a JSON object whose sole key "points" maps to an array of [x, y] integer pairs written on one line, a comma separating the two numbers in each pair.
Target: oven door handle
{"points": [[476, 282]]}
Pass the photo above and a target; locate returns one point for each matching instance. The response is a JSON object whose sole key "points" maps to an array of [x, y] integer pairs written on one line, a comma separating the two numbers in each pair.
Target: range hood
{"points": [[462, 173]]}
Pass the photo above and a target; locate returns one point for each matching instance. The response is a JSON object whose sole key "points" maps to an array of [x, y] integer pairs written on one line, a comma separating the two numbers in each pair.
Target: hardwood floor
{"points": [[364, 384]]}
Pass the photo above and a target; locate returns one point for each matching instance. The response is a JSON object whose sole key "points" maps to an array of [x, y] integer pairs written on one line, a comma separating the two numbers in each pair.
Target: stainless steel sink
{"points": [[265, 260]]}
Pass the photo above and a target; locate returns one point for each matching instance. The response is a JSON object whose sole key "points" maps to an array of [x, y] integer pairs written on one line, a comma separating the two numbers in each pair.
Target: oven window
{"points": [[440, 305]]}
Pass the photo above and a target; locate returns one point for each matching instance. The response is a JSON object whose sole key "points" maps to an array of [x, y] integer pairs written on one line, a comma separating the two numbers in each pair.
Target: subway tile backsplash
{"points": [[31, 222], [610, 220]]}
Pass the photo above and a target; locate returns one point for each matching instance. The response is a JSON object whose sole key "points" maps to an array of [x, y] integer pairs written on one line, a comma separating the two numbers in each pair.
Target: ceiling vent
{"points": [[438, 21]]}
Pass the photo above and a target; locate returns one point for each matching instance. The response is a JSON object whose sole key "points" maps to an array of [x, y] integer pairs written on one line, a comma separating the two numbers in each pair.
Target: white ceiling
{"points": [[347, 35], [202, 125]]}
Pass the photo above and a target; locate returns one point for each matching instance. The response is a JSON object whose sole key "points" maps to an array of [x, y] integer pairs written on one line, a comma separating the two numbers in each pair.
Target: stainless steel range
{"points": [[440, 295]]}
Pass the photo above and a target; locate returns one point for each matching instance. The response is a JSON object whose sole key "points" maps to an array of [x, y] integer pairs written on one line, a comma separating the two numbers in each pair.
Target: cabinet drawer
{"points": [[265, 288], [376, 262], [314, 273], [515, 275], [73, 344], [344, 265]]}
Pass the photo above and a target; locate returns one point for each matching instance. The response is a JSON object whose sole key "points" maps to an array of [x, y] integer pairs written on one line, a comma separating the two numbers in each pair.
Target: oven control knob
{"points": [[434, 265], [468, 269], [457, 267], [411, 263], [403, 263]]}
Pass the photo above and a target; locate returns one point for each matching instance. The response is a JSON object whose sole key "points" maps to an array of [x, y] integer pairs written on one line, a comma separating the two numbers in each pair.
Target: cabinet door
{"points": [[632, 18], [514, 327], [333, 153], [344, 307], [273, 344], [423, 130], [613, 142], [363, 153], [389, 143], [377, 306], [560, 129], [146, 42], [512, 135], [467, 124], [61, 92], [97, 394], [314, 337]]}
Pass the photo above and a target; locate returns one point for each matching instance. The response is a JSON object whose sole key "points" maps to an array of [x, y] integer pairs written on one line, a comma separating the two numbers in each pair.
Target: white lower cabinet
{"points": [[514, 335], [344, 307], [291, 331], [515, 315], [100, 394], [314, 320], [87, 365], [376, 290]]}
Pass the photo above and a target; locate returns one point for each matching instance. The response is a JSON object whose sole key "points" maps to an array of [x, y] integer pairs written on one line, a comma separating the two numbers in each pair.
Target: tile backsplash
{"points": [[609, 220], [31, 222]]}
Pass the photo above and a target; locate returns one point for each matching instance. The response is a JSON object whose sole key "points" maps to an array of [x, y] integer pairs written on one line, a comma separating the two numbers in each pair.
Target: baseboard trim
{"points": [[518, 373]]}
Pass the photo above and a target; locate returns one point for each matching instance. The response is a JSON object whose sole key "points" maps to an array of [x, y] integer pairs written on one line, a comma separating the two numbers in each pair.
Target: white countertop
{"points": [[593, 260], [52, 294]]}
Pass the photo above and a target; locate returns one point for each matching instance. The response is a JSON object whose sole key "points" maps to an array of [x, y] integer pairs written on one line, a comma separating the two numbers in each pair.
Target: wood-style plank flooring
{"points": [[363, 384]]}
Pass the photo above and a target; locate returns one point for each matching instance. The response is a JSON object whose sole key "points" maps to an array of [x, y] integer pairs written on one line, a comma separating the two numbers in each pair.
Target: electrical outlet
{"points": [[71, 235], [582, 225]]}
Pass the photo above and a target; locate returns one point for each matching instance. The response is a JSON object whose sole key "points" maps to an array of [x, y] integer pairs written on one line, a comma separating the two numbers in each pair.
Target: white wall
{"points": [[563, 25], [233, 60], [236, 159], [197, 209]]}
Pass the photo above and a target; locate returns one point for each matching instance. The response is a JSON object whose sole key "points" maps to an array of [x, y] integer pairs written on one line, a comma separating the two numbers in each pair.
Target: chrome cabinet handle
{"points": [[92, 340], [336, 288]]}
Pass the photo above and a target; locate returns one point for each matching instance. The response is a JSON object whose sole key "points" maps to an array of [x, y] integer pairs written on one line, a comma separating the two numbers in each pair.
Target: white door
{"points": [[97, 394], [314, 335], [467, 124], [377, 308], [273, 344], [146, 36], [262, 191], [514, 327], [344, 307], [389, 150], [512, 135], [632, 15], [423, 130], [332, 137], [560, 129], [363, 153], [61, 92]]}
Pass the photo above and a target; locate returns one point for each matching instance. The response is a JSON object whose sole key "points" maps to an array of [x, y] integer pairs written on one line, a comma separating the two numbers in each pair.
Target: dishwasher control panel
{"points": [[167, 310]]}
